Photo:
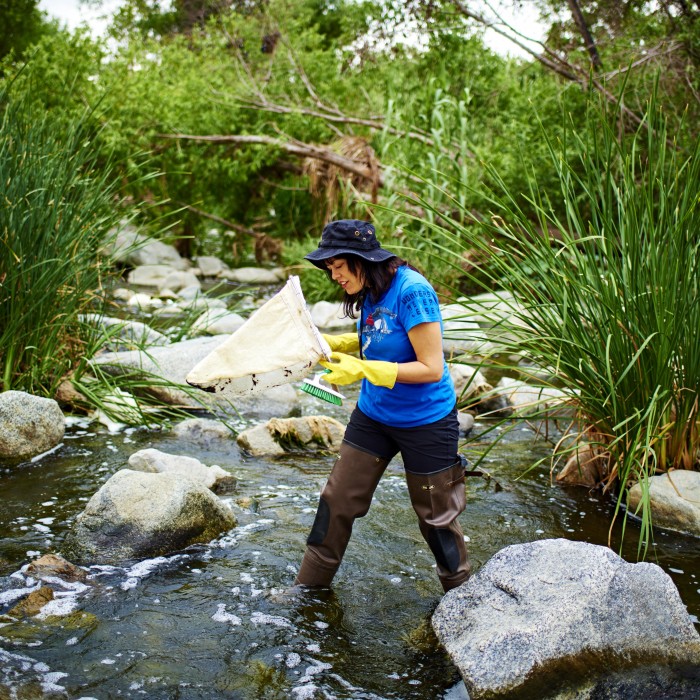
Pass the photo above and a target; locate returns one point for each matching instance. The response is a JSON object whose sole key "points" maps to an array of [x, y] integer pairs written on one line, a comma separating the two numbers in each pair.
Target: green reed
{"points": [[57, 206], [605, 279]]}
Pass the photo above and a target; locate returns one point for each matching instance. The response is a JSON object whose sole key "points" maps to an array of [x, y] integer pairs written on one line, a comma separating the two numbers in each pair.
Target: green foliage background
{"points": [[440, 122]]}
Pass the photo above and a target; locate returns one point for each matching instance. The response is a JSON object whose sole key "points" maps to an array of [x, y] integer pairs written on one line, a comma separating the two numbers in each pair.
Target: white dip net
{"points": [[277, 345]]}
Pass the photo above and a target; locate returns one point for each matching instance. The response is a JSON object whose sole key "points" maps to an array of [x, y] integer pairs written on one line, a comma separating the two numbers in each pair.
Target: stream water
{"points": [[213, 621]]}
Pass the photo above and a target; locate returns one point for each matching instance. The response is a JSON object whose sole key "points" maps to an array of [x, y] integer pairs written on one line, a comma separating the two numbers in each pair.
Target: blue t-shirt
{"points": [[410, 300]]}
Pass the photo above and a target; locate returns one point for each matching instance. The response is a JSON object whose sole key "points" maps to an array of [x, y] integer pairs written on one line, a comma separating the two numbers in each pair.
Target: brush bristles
{"points": [[315, 389]]}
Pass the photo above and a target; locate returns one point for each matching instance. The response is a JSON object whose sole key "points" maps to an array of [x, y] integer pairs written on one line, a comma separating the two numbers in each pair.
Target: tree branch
{"points": [[585, 33], [219, 220], [297, 148], [557, 64]]}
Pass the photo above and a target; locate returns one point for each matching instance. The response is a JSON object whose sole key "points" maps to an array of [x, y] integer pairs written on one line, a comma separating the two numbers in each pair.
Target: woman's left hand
{"points": [[346, 369]]}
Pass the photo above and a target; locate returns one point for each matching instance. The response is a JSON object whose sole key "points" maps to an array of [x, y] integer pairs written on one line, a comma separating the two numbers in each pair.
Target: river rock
{"points": [[33, 603], [587, 466], [203, 304], [462, 334], [144, 302], [474, 390], [217, 322], [203, 431], [280, 435], [29, 425], [51, 566], [466, 423], [210, 266], [176, 280], [155, 461], [136, 249], [543, 618], [254, 275], [137, 515], [329, 316], [674, 499], [148, 275], [528, 400], [125, 335]]}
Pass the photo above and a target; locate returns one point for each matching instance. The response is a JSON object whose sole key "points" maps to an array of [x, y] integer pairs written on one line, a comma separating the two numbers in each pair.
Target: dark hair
{"points": [[377, 278]]}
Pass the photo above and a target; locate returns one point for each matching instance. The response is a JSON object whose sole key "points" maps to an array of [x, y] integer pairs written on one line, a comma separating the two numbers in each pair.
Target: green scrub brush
{"points": [[321, 391]]}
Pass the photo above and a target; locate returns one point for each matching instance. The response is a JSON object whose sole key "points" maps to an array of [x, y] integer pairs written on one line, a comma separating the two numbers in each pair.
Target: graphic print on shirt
{"points": [[376, 326], [421, 304]]}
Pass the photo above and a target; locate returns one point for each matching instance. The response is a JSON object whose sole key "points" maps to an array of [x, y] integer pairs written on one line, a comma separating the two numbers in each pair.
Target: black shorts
{"points": [[425, 449]]}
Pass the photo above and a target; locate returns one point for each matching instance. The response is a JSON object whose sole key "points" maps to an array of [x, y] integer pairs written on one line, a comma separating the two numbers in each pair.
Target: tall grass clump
{"points": [[57, 207], [606, 295]]}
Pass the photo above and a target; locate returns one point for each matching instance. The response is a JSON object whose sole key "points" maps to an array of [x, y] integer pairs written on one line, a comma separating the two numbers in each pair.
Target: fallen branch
{"points": [[297, 148]]}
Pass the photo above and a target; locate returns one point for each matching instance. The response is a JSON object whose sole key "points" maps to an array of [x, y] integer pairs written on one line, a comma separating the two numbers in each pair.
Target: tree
{"points": [[23, 24], [633, 40]]}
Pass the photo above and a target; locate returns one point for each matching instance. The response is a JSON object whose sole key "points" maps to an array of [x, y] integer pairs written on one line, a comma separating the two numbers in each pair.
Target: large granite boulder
{"points": [[674, 500], [544, 619], [29, 425], [139, 515], [154, 461]]}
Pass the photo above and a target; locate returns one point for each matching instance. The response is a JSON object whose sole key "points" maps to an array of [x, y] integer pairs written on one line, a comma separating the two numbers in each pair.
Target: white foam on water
{"points": [[222, 616], [72, 641], [143, 569], [321, 625], [58, 607], [315, 669], [73, 586], [233, 537], [49, 682], [11, 663], [258, 618], [305, 692], [14, 594], [293, 660]]}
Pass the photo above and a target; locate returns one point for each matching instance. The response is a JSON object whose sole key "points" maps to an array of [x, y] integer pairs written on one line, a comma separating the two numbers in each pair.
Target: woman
{"points": [[406, 405]]}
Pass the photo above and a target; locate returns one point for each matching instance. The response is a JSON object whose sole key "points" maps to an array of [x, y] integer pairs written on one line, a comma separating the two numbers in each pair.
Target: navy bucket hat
{"points": [[348, 237]]}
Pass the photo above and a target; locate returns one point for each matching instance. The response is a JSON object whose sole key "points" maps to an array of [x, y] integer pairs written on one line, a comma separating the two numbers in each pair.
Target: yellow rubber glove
{"points": [[346, 342], [346, 369]]}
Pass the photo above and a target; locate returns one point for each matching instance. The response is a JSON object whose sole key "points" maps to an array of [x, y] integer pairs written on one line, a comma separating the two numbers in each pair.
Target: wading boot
{"points": [[346, 496], [438, 499]]}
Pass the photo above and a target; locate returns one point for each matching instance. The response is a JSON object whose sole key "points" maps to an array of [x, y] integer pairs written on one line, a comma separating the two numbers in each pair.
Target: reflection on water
{"points": [[218, 621]]}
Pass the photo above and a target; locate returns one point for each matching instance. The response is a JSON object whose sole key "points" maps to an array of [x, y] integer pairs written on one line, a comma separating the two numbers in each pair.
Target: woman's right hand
{"points": [[346, 342]]}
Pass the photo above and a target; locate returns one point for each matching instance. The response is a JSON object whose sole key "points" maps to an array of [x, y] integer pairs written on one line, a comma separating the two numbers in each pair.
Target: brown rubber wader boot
{"points": [[438, 499], [347, 495]]}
